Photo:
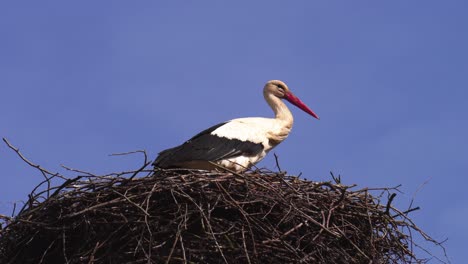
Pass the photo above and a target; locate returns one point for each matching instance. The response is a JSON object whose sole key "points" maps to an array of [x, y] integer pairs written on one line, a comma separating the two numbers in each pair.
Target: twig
{"points": [[277, 162], [390, 199]]}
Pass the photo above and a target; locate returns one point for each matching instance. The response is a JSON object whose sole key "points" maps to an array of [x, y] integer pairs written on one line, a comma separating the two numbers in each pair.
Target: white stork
{"points": [[240, 143]]}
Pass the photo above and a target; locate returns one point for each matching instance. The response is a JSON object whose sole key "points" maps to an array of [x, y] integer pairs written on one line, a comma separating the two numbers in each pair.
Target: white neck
{"points": [[280, 109]]}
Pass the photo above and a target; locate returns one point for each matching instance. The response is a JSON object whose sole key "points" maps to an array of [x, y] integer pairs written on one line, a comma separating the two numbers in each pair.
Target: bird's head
{"points": [[281, 90]]}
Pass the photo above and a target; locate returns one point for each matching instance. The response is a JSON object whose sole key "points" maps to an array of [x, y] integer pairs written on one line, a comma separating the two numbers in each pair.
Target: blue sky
{"points": [[80, 80]]}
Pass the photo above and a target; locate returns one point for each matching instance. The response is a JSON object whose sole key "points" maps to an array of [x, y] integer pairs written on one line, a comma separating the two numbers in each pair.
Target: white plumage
{"points": [[258, 130]]}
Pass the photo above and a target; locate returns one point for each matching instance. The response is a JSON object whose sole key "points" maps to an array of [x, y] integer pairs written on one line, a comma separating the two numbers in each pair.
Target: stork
{"points": [[240, 143]]}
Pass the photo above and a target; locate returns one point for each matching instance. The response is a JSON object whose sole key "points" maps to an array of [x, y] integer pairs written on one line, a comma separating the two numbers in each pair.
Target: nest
{"points": [[175, 216]]}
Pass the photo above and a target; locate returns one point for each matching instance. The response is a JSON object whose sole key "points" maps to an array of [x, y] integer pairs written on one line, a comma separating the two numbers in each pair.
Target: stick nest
{"points": [[206, 217], [175, 216]]}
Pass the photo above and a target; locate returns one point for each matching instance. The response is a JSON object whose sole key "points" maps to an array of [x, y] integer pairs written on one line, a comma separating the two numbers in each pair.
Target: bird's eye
{"points": [[281, 88]]}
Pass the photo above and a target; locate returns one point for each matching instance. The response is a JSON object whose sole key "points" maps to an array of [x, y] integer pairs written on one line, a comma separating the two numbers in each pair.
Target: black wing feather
{"points": [[206, 147]]}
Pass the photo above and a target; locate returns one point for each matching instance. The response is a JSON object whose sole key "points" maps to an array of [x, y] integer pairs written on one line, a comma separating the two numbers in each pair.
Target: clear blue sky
{"points": [[82, 79]]}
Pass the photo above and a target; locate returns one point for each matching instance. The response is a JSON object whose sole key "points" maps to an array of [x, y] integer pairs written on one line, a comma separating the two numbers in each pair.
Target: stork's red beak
{"points": [[297, 102]]}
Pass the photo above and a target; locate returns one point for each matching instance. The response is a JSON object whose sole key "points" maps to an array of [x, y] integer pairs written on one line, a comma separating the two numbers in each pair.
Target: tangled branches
{"points": [[191, 216]]}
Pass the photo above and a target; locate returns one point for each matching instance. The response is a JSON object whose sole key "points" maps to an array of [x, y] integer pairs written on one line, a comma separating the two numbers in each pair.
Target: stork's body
{"points": [[240, 143]]}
